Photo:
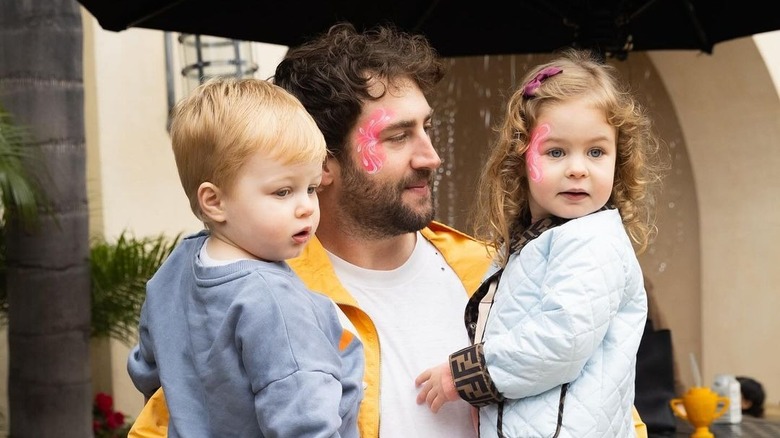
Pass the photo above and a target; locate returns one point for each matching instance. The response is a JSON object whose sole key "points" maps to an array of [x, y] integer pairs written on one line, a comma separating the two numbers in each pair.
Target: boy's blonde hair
{"points": [[502, 210], [224, 121]]}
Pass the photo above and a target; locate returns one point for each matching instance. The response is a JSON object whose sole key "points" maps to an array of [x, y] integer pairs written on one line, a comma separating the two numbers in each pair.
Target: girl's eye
{"points": [[283, 192], [595, 153], [311, 190], [555, 153]]}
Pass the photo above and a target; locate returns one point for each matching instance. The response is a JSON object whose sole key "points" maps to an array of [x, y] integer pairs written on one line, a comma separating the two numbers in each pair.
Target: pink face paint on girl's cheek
{"points": [[370, 150], [532, 164]]}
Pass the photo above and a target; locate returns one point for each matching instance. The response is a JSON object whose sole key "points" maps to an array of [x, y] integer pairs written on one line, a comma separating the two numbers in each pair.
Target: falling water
{"points": [[469, 103]]}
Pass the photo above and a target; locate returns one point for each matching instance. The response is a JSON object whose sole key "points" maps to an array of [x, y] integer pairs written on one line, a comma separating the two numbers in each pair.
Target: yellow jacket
{"points": [[467, 257]]}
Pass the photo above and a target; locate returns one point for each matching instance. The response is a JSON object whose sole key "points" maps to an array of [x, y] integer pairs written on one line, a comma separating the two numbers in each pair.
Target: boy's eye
{"points": [[283, 192], [311, 190]]}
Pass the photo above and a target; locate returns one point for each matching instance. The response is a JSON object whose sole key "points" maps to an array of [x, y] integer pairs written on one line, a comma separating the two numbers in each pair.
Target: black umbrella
{"points": [[461, 28]]}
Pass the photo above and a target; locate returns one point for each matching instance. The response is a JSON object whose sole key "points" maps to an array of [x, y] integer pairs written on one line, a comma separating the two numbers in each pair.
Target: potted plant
{"points": [[120, 271]]}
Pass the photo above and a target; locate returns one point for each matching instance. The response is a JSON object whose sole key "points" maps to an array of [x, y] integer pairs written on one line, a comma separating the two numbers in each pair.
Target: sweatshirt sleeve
{"points": [[141, 363], [295, 371]]}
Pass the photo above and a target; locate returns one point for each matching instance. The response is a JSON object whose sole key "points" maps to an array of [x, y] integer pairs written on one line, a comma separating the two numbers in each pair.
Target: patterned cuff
{"points": [[472, 380]]}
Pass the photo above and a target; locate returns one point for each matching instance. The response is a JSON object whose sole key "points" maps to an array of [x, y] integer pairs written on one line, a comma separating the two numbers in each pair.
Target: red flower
{"points": [[104, 403], [106, 422], [115, 420]]}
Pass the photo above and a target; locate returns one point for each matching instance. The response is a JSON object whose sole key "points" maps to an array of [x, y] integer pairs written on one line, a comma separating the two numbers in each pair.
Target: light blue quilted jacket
{"points": [[570, 308]]}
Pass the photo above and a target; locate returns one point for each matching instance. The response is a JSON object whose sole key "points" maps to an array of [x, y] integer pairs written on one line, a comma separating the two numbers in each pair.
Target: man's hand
{"points": [[438, 387]]}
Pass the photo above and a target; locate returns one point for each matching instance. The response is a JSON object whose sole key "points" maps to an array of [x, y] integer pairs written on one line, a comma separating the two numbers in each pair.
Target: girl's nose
{"points": [[576, 168]]}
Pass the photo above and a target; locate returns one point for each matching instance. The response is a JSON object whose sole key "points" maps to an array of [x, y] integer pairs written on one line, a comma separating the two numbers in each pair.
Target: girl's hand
{"points": [[438, 387]]}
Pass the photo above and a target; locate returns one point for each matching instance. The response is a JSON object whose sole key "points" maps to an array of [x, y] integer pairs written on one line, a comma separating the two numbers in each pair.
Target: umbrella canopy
{"points": [[458, 28]]}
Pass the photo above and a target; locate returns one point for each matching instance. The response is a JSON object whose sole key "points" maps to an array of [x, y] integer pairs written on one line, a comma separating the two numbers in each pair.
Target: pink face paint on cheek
{"points": [[370, 150], [532, 163]]}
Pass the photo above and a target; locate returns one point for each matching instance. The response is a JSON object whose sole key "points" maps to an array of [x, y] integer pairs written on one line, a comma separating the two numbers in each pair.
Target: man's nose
{"points": [[425, 156]]}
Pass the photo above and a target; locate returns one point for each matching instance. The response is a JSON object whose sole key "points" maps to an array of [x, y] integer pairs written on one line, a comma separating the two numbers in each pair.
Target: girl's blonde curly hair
{"points": [[502, 210]]}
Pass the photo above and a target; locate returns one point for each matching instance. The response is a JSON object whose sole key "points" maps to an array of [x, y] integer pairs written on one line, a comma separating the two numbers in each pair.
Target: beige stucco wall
{"points": [[718, 295], [729, 109]]}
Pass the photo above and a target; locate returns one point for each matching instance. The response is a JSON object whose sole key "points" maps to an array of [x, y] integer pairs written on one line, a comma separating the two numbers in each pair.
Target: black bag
{"points": [[655, 381]]}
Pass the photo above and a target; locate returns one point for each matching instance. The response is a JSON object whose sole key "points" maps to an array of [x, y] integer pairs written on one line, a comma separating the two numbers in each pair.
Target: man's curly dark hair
{"points": [[331, 74]]}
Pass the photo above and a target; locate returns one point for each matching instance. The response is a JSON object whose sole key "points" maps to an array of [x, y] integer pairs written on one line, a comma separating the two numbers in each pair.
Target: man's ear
{"points": [[330, 169], [210, 201]]}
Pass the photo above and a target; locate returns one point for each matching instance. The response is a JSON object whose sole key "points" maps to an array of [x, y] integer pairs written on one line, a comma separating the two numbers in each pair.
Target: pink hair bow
{"points": [[530, 88]]}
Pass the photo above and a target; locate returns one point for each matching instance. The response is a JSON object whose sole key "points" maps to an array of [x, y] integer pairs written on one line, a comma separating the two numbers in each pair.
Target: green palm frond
{"points": [[120, 271], [19, 192]]}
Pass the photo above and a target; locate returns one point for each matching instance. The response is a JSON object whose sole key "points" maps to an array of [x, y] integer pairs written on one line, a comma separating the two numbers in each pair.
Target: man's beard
{"points": [[377, 209]]}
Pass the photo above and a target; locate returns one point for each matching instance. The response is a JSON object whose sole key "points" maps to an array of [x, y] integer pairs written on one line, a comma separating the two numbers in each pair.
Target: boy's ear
{"points": [[210, 201]]}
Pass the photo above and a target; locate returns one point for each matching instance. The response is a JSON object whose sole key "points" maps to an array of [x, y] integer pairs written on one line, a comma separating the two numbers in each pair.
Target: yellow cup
{"points": [[701, 406]]}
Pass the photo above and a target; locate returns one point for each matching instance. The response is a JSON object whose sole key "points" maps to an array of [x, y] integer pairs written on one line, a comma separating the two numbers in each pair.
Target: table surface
{"points": [[750, 427]]}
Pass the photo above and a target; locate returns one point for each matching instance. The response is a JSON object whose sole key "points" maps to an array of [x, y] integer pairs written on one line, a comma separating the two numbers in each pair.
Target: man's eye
{"points": [[398, 138]]}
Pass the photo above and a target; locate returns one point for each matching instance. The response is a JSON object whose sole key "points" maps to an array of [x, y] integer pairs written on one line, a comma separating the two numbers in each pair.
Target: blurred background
{"points": [[712, 266]]}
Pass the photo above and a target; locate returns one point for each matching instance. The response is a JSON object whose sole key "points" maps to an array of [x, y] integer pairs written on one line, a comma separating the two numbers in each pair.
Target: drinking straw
{"points": [[695, 369]]}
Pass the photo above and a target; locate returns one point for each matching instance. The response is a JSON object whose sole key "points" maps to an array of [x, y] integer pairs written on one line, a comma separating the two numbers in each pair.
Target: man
{"points": [[402, 280]]}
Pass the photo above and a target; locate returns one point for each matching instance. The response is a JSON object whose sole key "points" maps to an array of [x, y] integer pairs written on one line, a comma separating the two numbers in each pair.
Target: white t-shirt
{"points": [[418, 312]]}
